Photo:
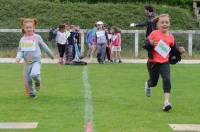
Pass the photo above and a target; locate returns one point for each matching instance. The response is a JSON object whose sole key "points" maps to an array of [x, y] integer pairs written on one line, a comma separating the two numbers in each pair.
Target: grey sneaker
{"points": [[37, 86], [147, 89], [167, 107]]}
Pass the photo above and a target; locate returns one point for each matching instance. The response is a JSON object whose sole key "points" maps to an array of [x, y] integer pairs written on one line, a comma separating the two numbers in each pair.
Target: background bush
{"points": [[182, 3]]}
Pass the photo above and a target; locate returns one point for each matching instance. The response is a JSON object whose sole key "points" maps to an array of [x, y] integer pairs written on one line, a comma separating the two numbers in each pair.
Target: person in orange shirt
{"points": [[161, 41]]}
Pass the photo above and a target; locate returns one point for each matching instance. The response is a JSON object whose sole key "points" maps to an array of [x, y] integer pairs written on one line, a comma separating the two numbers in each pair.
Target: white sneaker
{"points": [[147, 89], [167, 106]]}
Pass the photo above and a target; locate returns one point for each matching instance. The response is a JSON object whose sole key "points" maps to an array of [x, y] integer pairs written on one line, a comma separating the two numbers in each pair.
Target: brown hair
{"points": [[61, 27], [156, 19], [116, 30], [149, 8], [26, 20]]}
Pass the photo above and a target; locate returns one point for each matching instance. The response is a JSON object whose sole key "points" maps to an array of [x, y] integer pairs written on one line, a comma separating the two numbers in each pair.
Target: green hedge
{"points": [[52, 14], [182, 3]]}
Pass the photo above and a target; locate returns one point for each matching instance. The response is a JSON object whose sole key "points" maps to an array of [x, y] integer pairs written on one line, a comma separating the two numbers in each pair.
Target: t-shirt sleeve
{"points": [[151, 36], [44, 46], [173, 41], [19, 52]]}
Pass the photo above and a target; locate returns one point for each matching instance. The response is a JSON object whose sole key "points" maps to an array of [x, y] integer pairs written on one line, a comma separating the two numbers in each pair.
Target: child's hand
{"points": [[151, 42], [181, 50], [17, 60], [132, 25]]}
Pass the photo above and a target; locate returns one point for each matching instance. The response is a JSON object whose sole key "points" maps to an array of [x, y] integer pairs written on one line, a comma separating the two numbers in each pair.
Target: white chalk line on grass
{"points": [[89, 123], [185, 127], [18, 125]]}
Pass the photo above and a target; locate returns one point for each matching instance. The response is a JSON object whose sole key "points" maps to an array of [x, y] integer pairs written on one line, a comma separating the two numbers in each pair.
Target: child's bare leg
{"points": [[119, 57], [115, 56], [92, 52]]}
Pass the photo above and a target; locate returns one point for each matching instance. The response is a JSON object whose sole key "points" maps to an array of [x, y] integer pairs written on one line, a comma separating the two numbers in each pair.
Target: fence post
{"points": [[190, 44], [136, 43], [82, 43]]}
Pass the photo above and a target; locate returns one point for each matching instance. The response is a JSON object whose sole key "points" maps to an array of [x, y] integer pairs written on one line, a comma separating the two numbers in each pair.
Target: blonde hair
{"points": [[23, 21], [156, 19]]}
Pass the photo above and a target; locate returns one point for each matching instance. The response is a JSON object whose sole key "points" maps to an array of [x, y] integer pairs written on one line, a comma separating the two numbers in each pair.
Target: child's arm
{"points": [[142, 24], [148, 45], [19, 55], [107, 38], [120, 39], [175, 54], [44, 46]]}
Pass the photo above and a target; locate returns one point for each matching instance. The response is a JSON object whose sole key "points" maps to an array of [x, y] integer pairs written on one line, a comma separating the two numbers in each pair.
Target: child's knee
{"points": [[152, 83], [166, 81], [34, 75]]}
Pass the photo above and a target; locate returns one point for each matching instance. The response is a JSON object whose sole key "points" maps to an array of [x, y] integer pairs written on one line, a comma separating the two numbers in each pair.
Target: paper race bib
{"points": [[100, 33], [27, 45], [162, 48]]}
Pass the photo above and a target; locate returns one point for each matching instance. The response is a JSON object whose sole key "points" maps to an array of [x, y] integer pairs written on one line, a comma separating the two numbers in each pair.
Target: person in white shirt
{"points": [[61, 40]]}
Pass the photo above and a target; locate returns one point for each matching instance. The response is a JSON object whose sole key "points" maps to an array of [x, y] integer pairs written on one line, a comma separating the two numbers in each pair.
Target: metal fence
{"points": [[132, 40]]}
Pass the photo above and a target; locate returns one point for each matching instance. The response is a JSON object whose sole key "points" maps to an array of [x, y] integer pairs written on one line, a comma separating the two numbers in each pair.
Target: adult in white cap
{"points": [[99, 23], [101, 40]]}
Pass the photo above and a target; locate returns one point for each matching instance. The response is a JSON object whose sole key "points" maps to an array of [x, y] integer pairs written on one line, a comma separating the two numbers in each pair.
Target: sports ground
{"points": [[109, 97]]}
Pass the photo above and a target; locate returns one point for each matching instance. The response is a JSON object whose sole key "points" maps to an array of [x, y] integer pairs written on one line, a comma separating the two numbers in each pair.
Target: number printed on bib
{"points": [[162, 48], [27, 45]]}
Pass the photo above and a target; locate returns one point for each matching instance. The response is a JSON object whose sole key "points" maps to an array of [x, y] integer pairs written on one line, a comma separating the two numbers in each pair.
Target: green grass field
{"points": [[119, 102]]}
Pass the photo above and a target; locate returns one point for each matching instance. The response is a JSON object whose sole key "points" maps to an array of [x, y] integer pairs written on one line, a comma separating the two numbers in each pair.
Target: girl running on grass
{"points": [[161, 41], [29, 50]]}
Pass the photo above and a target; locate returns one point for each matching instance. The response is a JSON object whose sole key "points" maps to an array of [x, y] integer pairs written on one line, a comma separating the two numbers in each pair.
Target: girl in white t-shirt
{"points": [[61, 40]]}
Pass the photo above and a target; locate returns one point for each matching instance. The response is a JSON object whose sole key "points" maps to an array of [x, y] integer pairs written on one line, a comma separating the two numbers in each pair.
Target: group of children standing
{"points": [[106, 41], [66, 36], [101, 39]]}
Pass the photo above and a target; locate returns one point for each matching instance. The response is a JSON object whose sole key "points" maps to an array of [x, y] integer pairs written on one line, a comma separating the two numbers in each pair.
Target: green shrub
{"points": [[182, 3]]}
